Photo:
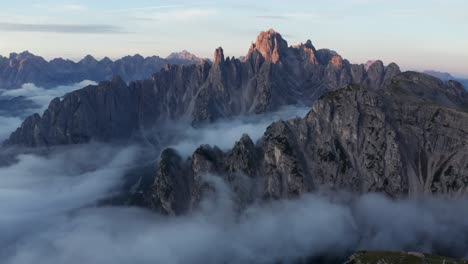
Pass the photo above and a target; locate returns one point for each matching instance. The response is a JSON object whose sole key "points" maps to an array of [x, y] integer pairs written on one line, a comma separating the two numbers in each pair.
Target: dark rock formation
{"points": [[270, 76], [408, 139], [25, 67]]}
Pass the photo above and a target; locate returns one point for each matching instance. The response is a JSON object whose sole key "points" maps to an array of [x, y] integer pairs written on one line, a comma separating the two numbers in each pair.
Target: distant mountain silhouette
{"points": [[26, 67]]}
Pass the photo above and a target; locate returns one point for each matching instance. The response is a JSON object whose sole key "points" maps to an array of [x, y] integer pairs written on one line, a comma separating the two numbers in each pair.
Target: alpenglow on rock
{"points": [[408, 139], [272, 75]]}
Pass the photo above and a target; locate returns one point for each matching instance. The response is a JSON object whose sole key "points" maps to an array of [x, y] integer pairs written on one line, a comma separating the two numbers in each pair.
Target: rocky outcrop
{"points": [[408, 139], [272, 75], [25, 67]]}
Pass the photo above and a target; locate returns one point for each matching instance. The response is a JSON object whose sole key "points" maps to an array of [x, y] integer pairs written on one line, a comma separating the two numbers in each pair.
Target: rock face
{"points": [[408, 139], [272, 75], [25, 67]]}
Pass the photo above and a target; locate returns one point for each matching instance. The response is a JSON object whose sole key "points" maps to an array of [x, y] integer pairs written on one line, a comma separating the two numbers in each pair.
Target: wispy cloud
{"points": [[147, 8], [61, 28], [271, 17], [74, 7], [179, 14]]}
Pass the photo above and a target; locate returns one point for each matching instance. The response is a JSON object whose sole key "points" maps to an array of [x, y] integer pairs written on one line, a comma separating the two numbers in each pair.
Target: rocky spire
{"points": [[219, 56]]}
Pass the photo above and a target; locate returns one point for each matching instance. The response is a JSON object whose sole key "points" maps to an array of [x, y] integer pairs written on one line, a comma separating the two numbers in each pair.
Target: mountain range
{"points": [[371, 128], [271, 75], [18, 69]]}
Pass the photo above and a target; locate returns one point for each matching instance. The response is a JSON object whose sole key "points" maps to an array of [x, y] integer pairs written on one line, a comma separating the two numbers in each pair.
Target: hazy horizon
{"points": [[429, 34]]}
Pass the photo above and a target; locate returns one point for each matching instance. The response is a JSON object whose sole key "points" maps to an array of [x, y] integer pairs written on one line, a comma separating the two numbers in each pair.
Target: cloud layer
{"points": [[225, 133], [49, 214], [31, 99], [44, 230]]}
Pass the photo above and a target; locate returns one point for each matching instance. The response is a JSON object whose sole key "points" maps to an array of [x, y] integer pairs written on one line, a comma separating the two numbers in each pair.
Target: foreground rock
{"points": [[272, 75], [381, 257], [408, 139]]}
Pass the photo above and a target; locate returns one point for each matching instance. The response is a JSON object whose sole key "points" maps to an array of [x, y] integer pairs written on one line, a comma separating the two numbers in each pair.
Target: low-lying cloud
{"points": [[42, 96], [225, 133], [42, 222], [49, 211], [49, 214], [19, 103], [36, 191], [7, 125]]}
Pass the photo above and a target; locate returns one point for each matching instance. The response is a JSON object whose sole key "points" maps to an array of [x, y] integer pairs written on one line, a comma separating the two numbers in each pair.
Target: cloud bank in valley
{"points": [[225, 133], [17, 104], [42, 96], [315, 225], [36, 190], [49, 211], [8, 125]]}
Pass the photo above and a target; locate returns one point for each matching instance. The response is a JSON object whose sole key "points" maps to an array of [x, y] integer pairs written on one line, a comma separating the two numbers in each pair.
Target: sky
{"points": [[417, 34]]}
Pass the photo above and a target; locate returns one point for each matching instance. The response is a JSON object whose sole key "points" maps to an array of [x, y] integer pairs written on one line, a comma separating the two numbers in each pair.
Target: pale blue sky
{"points": [[417, 34]]}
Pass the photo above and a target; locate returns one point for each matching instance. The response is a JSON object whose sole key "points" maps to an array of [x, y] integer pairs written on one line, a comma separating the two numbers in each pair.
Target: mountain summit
{"points": [[270, 44], [183, 57]]}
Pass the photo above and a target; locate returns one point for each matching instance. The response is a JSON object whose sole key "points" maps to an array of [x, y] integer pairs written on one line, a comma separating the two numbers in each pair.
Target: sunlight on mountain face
{"points": [[260, 147]]}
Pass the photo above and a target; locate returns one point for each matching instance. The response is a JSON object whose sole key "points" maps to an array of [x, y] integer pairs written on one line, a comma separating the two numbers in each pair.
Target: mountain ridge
{"points": [[272, 75]]}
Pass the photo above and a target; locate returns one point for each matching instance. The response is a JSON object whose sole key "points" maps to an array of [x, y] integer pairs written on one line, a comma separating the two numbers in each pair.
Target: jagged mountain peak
{"points": [[25, 54], [106, 60], [181, 54], [270, 44], [22, 56], [88, 59], [185, 56]]}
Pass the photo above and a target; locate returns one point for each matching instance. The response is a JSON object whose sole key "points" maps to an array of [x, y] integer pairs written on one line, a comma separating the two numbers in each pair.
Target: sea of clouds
{"points": [[50, 213]]}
